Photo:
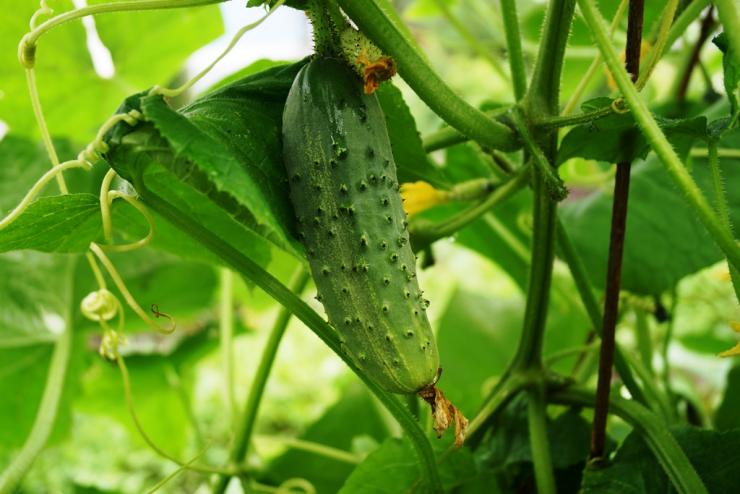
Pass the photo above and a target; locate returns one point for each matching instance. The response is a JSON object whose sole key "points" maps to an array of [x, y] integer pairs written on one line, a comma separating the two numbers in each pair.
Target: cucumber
{"points": [[351, 222]]}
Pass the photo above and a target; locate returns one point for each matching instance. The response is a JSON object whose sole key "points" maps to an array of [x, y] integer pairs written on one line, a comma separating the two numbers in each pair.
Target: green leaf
{"points": [[66, 223], [33, 300], [150, 47], [714, 455], [727, 415], [352, 416], [731, 70], [412, 162], [616, 139], [147, 48], [393, 467], [507, 452], [35, 303], [664, 240], [477, 337], [225, 148]]}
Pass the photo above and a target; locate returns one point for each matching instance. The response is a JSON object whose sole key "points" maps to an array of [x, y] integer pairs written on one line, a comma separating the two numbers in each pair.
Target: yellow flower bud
{"points": [[420, 196]]}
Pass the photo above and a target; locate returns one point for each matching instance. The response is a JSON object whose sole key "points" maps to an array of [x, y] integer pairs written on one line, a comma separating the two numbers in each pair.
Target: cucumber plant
{"points": [[319, 162]]}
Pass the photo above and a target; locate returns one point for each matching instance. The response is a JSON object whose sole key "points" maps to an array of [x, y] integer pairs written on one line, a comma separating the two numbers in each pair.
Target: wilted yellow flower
{"points": [[419, 196]]}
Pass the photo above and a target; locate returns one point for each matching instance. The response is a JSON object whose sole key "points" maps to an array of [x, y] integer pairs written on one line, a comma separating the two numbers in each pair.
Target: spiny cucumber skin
{"points": [[351, 222]]}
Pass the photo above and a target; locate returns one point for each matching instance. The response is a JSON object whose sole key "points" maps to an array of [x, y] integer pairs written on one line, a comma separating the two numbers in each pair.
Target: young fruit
{"points": [[351, 222]]}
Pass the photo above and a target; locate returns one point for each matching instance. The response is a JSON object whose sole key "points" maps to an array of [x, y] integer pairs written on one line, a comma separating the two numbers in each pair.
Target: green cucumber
{"points": [[350, 219]]}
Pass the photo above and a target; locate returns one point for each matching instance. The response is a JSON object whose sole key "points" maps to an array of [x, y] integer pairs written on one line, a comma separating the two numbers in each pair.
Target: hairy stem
{"points": [[514, 45], [415, 70], [249, 415], [542, 100]]}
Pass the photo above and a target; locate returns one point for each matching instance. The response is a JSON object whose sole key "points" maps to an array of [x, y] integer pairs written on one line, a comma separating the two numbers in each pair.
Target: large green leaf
{"points": [[664, 242], [727, 415], [150, 47], [147, 49], [354, 415], [35, 308], [634, 470], [223, 149], [396, 460], [615, 138], [506, 453]]}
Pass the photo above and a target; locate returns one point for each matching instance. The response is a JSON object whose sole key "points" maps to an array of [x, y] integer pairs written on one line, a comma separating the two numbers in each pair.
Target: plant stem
{"points": [[273, 287], [707, 26], [529, 351], [537, 421], [226, 332], [514, 45], [317, 449], [616, 251], [375, 23], [425, 235], [685, 18], [544, 90], [658, 437], [251, 407], [583, 285], [470, 38], [642, 336], [46, 415], [449, 136], [325, 33], [554, 186], [656, 52], [568, 120], [657, 139], [721, 206], [542, 100]]}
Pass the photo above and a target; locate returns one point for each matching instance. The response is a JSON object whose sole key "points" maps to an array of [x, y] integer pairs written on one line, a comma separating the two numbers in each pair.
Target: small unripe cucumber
{"points": [[351, 222]]}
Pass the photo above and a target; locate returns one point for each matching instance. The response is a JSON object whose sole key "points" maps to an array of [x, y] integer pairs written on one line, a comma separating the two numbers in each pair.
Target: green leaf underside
{"points": [[393, 467], [351, 416], [634, 470]]}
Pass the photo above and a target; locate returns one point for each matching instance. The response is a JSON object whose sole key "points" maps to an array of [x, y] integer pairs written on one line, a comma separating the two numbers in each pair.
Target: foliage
{"points": [[176, 190]]}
